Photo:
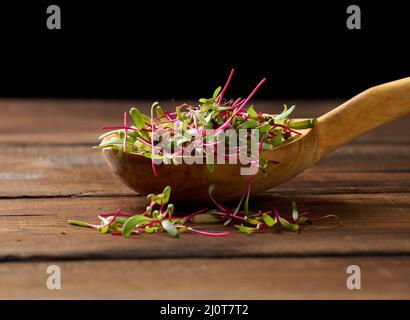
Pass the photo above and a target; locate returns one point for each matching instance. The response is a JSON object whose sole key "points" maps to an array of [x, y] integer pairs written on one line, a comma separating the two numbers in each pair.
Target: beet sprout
{"points": [[243, 104], [211, 234], [220, 97], [155, 219]]}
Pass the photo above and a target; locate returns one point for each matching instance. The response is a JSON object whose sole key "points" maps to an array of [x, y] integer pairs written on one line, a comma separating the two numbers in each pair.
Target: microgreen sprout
{"points": [[159, 216]]}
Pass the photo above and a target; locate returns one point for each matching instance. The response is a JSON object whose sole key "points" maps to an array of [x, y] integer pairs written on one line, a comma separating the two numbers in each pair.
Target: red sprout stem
{"points": [[144, 141], [301, 214], [190, 216], [160, 117], [231, 216], [287, 128], [113, 219], [221, 95], [242, 106], [116, 234], [121, 214], [210, 234], [237, 102], [168, 115]]}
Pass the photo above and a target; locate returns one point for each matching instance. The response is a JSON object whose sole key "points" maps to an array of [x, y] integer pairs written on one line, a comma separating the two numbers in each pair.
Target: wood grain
{"points": [[65, 171], [218, 279], [48, 174], [368, 110], [372, 225]]}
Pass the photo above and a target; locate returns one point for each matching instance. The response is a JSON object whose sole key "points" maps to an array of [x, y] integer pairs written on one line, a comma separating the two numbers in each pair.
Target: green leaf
{"points": [[132, 222], [277, 141], [151, 229], [114, 132], [264, 128], [208, 118], [295, 212], [155, 214], [250, 124], [303, 219], [270, 222], [205, 218], [179, 113], [252, 221], [160, 112], [170, 210], [120, 220], [287, 225], [170, 228], [104, 229], [243, 229], [203, 100], [79, 223], [216, 92], [161, 198], [251, 111], [304, 124], [203, 120], [164, 196], [286, 112], [181, 140], [138, 118], [112, 142]]}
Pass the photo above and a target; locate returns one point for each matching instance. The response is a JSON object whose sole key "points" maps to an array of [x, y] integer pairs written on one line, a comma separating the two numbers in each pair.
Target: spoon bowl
{"points": [[366, 111]]}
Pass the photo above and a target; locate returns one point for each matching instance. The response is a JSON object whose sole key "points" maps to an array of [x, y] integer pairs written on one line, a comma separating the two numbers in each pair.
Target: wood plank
{"points": [[64, 171], [372, 225], [290, 278], [56, 122]]}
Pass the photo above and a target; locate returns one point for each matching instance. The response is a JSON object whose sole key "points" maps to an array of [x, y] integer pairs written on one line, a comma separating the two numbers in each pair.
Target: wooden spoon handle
{"points": [[364, 112]]}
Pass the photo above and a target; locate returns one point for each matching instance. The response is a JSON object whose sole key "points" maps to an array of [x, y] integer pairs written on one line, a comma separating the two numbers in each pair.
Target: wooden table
{"points": [[49, 174]]}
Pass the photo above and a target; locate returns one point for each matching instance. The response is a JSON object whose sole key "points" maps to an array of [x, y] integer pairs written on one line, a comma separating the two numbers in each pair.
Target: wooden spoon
{"points": [[366, 111]]}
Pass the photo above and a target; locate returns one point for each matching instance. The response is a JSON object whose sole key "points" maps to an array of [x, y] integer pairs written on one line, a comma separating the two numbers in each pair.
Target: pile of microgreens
{"points": [[159, 217], [208, 119], [216, 114]]}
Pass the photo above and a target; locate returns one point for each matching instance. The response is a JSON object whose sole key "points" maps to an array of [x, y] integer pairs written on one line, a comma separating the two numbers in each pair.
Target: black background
{"points": [[185, 49]]}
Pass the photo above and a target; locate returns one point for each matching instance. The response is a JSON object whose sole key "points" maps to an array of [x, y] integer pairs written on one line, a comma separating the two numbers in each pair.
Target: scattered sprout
{"points": [[155, 219]]}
